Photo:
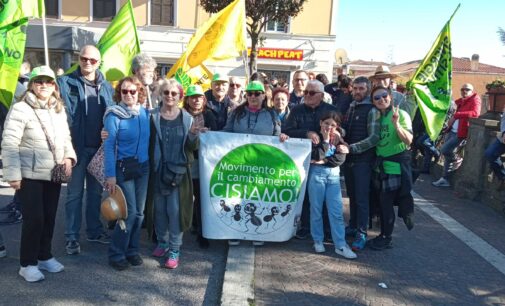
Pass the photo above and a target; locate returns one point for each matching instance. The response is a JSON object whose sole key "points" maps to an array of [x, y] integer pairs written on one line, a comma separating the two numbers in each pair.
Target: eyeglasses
{"points": [[92, 61], [310, 92], [254, 93], [130, 91], [44, 81], [172, 93], [380, 96], [466, 89], [235, 85]]}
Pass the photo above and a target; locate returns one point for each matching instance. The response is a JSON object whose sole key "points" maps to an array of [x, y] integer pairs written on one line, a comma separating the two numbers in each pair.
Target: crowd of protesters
{"points": [[150, 145]]}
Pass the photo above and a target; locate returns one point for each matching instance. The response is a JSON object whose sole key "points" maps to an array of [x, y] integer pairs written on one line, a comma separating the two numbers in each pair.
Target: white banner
{"points": [[252, 187]]}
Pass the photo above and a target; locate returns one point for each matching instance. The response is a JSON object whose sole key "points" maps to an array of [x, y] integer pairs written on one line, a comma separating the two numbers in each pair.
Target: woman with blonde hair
{"points": [[36, 144]]}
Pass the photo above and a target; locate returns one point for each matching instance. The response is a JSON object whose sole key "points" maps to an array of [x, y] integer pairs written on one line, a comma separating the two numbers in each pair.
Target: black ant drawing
{"points": [[224, 208], [250, 210], [273, 211], [286, 212], [236, 215]]}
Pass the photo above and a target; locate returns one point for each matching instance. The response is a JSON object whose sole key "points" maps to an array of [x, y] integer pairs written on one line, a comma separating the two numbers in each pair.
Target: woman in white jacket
{"points": [[27, 164]]}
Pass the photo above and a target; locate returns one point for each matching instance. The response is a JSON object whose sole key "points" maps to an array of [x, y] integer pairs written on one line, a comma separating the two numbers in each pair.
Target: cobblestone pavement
{"points": [[427, 266], [88, 279]]}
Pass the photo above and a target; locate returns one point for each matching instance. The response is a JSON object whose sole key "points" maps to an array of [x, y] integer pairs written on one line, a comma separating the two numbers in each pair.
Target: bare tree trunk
{"points": [[254, 54]]}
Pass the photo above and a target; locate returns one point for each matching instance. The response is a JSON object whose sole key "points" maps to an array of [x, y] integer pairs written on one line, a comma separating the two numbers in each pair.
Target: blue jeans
{"points": [[492, 154], [167, 219], [358, 176], [451, 142], [324, 186], [429, 150], [126, 243], [75, 193]]}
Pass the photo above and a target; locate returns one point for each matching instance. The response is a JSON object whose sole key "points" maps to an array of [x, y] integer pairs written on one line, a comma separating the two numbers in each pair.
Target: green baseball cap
{"points": [[218, 77], [255, 86], [194, 90], [42, 71]]}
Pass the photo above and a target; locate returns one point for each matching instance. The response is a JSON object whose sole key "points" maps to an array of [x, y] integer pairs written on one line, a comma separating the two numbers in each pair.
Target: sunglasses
{"points": [[254, 93], [171, 93], [310, 92], [129, 91], [234, 85], [378, 97], [44, 81], [87, 59]]}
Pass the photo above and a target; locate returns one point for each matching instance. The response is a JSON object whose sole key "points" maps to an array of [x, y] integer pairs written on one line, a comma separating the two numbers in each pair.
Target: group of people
{"points": [[148, 132]]}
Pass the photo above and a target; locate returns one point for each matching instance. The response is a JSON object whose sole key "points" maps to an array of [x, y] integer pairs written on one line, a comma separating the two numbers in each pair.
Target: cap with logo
{"points": [[194, 90], [255, 86], [219, 77], [42, 71]]}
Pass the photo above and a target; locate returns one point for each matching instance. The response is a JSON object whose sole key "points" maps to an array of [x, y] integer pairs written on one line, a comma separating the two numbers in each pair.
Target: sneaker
{"points": [[121, 265], [51, 265], [258, 243], [3, 251], [173, 260], [13, 217], [409, 221], [350, 232], [302, 234], [319, 247], [135, 260], [380, 243], [160, 250], [346, 252], [73, 247], [102, 238], [359, 243], [31, 274], [442, 182], [233, 242], [4, 184], [11, 207]]}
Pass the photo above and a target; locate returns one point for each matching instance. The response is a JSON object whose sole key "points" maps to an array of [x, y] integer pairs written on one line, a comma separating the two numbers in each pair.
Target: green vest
{"points": [[390, 144]]}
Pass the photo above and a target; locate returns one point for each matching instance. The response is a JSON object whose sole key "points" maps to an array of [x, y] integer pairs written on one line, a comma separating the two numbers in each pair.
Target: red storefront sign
{"points": [[280, 54]]}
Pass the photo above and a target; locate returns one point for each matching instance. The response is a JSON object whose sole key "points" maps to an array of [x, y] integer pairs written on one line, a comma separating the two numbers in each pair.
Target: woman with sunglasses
{"points": [[36, 136], [194, 103], [173, 141], [126, 149], [393, 174], [254, 117]]}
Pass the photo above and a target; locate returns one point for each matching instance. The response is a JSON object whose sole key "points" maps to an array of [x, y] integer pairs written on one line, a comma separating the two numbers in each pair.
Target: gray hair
{"points": [[142, 60], [317, 84]]}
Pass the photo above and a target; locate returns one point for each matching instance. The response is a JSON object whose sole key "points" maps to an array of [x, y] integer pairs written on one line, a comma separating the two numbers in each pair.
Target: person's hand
{"points": [[396, 116], [283, 137], [335, 138], [317, 162], [110, 184], [68, 166], [341, 148], [104, 134], [313, 137], [15, 184]]}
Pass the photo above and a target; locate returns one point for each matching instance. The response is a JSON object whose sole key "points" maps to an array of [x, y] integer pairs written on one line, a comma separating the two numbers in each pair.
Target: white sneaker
{"points": [[51, 265], [442, 182], [346, 252], [31, 274], [319, 247]]}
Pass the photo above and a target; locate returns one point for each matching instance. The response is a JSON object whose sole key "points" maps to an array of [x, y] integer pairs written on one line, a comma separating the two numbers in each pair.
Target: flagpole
{"points": [[44, 34]]}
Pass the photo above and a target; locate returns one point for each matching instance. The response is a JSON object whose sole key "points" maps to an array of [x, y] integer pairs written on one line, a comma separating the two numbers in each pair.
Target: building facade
{"points": [[166, 26]]}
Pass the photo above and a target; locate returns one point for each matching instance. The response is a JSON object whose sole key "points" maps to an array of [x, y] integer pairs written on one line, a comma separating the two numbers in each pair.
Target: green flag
{"points": [[14, 10], [12, 49], [432, 82], [119, 44]]}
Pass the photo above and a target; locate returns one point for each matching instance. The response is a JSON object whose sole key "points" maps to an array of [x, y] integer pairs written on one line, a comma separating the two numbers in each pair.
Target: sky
{"points": [[398, 31]]}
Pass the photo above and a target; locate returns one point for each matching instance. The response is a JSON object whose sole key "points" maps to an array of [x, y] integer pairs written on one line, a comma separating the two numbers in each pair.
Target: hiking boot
{"points": [[121, 265], [102, 238], [11, 207], [346, 252], [302, 234], [50, 265], [160, 250], [380, 243], [73, 247], [173, 260], [442, 182], [31, 274], [13, 217], [359, 243], [319, 247], [409, 221], [135, 260]]}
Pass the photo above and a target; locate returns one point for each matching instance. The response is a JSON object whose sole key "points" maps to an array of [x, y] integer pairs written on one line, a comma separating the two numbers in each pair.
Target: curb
{"points": [[238, 284]]}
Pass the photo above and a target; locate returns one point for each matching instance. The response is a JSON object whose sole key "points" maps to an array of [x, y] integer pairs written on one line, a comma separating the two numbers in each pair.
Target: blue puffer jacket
{"points": [[72, 92]]}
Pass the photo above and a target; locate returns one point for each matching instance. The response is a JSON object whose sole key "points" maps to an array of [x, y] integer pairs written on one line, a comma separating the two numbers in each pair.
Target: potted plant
{"points": [[496, 94]]}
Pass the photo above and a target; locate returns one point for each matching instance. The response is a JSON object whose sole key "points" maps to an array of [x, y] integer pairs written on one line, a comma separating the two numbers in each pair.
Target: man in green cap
{"points": [[217, 99]]}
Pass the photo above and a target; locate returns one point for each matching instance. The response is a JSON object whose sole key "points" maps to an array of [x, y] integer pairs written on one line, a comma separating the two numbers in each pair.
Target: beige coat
{"points": [[25, 150]]}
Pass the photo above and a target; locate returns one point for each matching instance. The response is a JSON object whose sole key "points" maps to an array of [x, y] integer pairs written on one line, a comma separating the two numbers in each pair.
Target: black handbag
{"points": [[172, 175], [130, 167]]}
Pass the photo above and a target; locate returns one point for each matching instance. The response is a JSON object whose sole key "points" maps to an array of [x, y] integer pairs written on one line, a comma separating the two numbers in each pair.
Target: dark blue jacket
{"points": [[72, 92]]}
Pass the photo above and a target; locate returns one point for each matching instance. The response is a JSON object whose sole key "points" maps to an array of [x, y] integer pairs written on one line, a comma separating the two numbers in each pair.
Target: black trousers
{"points": [[387, 201], [39, 202], [197, 209]]}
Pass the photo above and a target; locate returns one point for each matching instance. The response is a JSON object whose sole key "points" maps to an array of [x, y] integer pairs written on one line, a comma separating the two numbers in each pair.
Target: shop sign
{"points": [[280, 54]]}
